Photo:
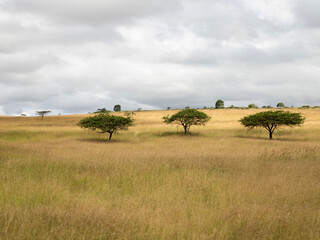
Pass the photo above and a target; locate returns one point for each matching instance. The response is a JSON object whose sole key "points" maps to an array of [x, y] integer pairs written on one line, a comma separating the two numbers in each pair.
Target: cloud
{"points": [[77, 56], [308, 12], [2, 111], [91, 12]]}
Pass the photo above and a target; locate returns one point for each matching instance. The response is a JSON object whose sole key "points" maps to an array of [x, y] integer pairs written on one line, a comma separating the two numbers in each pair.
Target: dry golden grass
{"points": [[58, 181]]}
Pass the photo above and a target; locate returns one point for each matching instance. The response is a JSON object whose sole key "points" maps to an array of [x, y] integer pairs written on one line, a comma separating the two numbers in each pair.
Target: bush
{"points": [[252, 105]]}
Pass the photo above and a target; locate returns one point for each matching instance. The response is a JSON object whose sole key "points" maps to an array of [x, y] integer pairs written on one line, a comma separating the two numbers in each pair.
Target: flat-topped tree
{"points": [[106, 123], [271, 120], [102, 110], [187, 118], [42, 113]]}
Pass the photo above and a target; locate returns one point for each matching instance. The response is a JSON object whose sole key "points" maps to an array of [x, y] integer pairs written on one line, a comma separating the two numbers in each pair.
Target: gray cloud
{"points": [[91, 12], [77, 56], [308, 12]]}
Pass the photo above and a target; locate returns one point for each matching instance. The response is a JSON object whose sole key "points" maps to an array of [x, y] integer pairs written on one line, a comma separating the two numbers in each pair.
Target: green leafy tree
{"points": [[280, 105], [269, 106], [252, 105], [42, 113], [219, 104], [187, 118], [105, 123], [117, 108], [305, 106], [271, 120], [102, 110]]}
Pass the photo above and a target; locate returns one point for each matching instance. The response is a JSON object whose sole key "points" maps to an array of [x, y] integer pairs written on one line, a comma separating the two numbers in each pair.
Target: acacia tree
{"points": [[102, 110], [42, 113], [105, 123], [271, 120], [187, 118]]}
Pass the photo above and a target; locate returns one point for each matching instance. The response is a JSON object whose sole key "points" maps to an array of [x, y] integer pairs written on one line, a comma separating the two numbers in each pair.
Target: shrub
{"points": [[252, 105]]}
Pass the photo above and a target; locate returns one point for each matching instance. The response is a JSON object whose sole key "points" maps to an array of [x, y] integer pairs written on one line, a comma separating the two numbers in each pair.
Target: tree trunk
{"points": [[270, 134], [185, 129], [110, 135]]}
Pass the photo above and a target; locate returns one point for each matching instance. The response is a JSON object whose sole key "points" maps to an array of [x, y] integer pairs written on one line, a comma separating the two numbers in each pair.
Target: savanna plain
{"points": [[58, 181]]}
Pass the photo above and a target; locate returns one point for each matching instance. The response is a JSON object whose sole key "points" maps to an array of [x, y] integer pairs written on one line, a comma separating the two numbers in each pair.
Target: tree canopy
{"points": [[42, 113], [106, 123], [117, 108], [271, 120], [187, 118], [102, 110], [252, 105], [219, 104]]}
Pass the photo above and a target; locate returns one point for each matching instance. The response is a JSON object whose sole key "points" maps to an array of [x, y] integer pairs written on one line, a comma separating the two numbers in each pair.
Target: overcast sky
{"points": [[74, 56]]}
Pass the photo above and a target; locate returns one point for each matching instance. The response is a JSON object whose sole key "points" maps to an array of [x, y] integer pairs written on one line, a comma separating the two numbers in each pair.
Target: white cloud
{"points": [[278, 12]]}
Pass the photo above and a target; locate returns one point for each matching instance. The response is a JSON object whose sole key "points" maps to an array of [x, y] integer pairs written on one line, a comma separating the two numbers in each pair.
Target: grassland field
{"points": [[58, 181]]}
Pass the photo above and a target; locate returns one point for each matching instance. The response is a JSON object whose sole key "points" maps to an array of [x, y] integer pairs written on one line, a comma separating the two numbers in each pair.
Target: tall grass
{"points": [[58, 181]]}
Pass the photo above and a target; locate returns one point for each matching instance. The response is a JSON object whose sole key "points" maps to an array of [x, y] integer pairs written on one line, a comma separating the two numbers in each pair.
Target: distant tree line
{"points": [[219, 104]]}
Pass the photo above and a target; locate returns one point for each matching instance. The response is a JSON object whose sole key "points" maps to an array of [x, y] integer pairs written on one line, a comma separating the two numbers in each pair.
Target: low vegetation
{"points": [[58, 181]]}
